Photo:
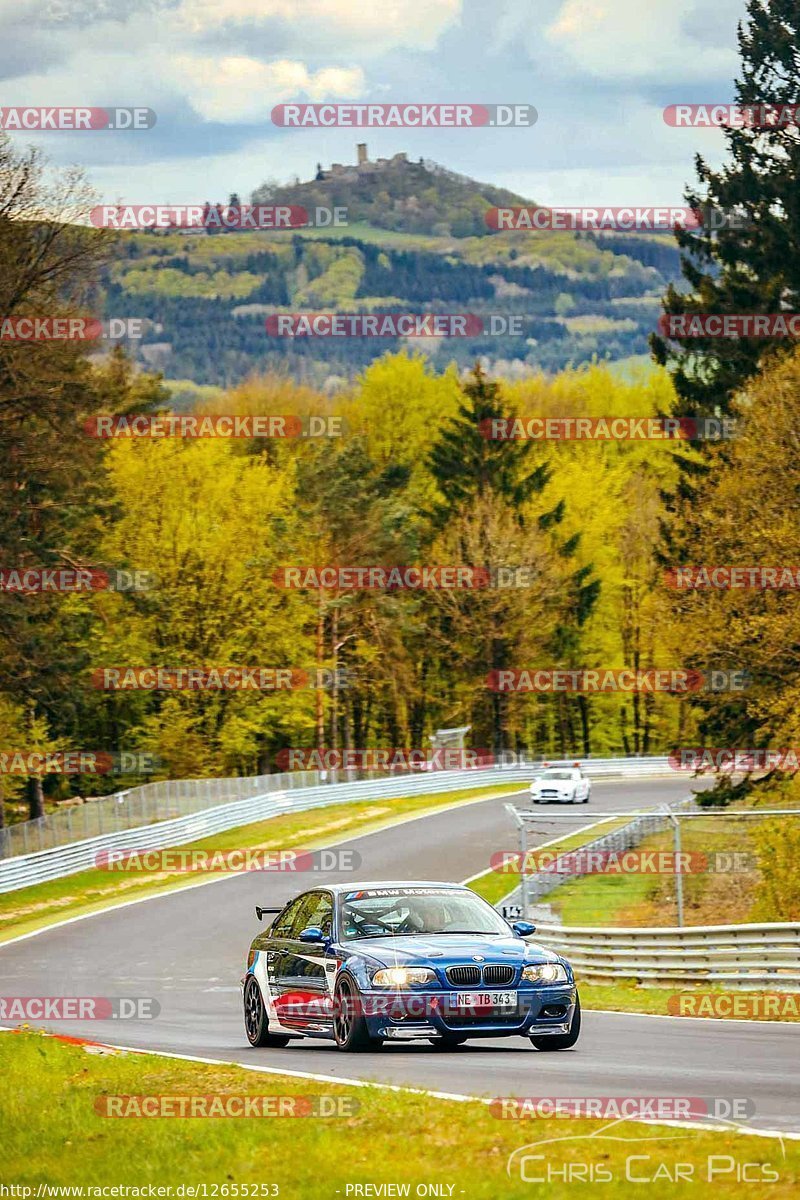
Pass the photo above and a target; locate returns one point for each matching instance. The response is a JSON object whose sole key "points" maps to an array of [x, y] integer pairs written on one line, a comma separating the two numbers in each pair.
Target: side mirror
{"points": [[523, 928], [312, 934]]}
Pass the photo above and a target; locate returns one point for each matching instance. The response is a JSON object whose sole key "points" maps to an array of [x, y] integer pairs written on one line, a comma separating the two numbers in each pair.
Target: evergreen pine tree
{"points": [[753, 266]]}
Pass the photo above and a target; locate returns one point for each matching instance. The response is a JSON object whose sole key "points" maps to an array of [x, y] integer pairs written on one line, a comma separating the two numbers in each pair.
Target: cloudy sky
{"points": [[599, 73]]}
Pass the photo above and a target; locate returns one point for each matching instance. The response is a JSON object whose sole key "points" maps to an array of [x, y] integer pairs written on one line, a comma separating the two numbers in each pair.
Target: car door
{"points": [[301, 992], [275, 952]]}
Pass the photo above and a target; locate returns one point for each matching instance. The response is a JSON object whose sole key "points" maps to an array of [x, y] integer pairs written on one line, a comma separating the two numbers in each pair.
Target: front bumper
{"points": [[538, 1011]]}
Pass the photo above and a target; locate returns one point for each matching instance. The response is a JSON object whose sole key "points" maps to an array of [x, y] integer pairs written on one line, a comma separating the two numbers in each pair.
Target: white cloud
{"points": [[331, 25], [237, 88], [645, 39]]}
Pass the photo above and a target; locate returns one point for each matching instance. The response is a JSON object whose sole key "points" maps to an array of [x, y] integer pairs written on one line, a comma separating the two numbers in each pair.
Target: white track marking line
{"points": [[620, 1012], [188, 887], [543, 845], [317, 1077], [381, 828]]}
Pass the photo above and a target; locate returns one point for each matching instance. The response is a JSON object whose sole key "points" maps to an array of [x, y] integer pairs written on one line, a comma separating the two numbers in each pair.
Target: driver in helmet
{"points": [[433, 915]]}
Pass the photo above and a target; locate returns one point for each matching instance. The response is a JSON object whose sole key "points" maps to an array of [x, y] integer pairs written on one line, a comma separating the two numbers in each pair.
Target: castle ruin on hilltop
{"points": [[362, 166]]}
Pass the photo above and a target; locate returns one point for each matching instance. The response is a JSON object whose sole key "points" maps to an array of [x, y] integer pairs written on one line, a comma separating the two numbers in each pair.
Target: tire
{"points": [[568, 1040], [450, 1041], [256, 1025], [350, 1029]]}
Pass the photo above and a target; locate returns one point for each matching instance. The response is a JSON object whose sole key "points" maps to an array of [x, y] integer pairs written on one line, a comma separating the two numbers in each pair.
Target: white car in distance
{"points": [[561, 785]]}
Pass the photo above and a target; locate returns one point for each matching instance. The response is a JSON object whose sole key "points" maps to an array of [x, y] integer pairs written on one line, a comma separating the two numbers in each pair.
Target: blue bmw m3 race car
{"points": [[365, 963]]}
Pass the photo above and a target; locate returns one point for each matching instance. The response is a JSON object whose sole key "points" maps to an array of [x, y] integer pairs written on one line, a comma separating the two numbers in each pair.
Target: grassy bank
{"points": [[54, 1135], [625, 995], [733, 893]]}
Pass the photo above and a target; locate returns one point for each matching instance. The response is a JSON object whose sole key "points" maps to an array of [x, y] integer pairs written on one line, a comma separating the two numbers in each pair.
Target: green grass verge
{"points": [[603, 899], [54, 1135], [35, 907], [710, 898], [625, 995]]}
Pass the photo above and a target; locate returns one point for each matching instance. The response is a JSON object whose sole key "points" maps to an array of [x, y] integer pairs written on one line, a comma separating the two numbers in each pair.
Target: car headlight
{"points": [[399, 977], [545, 973]]}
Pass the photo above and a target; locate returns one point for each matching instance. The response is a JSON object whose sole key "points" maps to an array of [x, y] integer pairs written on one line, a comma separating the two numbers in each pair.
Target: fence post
{"points": [[523, 879], [676, 846]]}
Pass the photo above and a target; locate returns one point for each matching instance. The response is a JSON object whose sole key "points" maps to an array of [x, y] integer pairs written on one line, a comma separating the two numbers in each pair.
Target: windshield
{"points": [[388, 912], [560, 775]]}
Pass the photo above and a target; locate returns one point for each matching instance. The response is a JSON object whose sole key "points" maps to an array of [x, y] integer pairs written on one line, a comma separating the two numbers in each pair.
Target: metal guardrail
{"points": [[745, 956], [243, 801], [749, 956], [24, 870], [159, 801], [166, 799], [532, 887]]}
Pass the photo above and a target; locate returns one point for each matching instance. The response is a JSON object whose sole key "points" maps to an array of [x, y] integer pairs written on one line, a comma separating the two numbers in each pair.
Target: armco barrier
{"points": [[747, 956], [79, 856], [248, 800], [165, 799]]}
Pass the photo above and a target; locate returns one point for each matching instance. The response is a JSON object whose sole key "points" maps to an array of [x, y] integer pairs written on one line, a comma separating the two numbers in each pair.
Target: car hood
{"points": [[444, 949]]}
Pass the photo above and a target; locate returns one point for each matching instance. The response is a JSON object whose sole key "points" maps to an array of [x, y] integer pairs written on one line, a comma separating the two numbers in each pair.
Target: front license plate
{"points": [[484, 1000]]}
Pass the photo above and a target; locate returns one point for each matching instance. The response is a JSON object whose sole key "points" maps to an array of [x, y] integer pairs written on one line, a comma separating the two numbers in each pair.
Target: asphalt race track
{"points": [[187, 950]]}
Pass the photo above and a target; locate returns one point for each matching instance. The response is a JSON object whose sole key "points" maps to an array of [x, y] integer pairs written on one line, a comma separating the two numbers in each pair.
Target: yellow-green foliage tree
{"points": [[212, 525], [747, 517], [612, 499]]}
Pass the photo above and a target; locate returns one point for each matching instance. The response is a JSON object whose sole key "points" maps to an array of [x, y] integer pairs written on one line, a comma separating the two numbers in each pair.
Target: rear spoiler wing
{"points": [[260, 911]]}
